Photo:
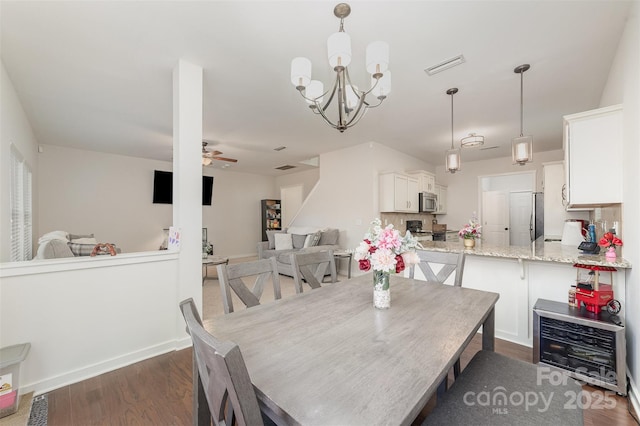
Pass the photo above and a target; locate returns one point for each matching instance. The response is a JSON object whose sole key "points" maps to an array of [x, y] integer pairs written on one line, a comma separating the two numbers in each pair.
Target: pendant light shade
{"points": [[522, 146], [472, 140], [452, 156]]}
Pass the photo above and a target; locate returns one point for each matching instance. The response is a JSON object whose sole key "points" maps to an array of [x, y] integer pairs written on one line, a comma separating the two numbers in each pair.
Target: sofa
{"points": [[280, 244], [60, 244]]}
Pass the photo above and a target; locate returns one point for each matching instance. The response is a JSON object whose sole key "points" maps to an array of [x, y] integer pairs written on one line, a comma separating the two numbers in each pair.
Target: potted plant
{"points": [[470, 232]]}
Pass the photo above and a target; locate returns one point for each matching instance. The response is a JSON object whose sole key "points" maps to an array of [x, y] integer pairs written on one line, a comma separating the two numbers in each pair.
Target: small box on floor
{"points": [[10, 359]]}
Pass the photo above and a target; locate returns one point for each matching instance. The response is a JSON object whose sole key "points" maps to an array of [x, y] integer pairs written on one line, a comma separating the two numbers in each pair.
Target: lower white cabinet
{"points": [[398, 193]]}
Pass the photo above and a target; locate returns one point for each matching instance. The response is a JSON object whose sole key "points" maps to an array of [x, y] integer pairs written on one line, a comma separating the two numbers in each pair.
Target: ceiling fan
{"points": [[209, 154]]}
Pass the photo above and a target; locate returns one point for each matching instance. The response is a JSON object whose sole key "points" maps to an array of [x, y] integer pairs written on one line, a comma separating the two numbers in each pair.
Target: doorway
{"points": [[506, 203]]}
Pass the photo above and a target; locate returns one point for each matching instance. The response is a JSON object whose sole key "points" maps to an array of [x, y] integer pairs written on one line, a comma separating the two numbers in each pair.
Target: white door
{"points": [[495, 218], [291, 201], [520, 206]]}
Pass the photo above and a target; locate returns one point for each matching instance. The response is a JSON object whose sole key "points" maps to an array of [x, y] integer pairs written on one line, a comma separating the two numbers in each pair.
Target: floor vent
{"points": [[286, 167]]}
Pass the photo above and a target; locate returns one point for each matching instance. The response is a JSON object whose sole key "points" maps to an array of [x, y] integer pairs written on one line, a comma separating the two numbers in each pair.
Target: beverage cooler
{"points": [[589, 347]]}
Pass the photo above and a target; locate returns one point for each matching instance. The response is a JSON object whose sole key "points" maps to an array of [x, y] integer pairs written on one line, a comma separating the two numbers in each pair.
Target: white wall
{"points": [[111, 196], [307, 179], [623, 87], [14, 129], [105, 194], [233, 221], [346, 196], [85, 317], [462, 191]]}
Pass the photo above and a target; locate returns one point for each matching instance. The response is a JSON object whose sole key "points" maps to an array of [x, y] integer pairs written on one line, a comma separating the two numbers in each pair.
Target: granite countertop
{"points": [[538, 250]]}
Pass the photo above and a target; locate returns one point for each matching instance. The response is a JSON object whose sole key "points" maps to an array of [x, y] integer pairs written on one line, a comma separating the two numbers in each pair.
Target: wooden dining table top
{"points": [[328, 357]]}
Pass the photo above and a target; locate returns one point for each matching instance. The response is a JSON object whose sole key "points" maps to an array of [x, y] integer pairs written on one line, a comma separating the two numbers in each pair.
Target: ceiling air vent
{"points": [[488, 147], [446, 64], [286, 167]]}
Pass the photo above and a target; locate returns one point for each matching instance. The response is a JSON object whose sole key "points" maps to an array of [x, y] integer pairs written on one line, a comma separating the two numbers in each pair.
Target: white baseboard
{"points": [[105, 366]]}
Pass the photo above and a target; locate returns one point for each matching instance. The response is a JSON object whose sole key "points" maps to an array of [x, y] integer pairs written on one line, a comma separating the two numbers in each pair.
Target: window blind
{"points": [[21, 208]]}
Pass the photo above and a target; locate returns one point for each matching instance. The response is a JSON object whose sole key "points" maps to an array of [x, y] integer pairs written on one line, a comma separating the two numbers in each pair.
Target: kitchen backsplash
{"points": [[399, 220], [609, 217]]}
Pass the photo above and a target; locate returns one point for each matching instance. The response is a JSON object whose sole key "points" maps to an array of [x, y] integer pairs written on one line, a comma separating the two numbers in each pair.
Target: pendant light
{"points": [[522, 146], [472, 140], [452, 156]]}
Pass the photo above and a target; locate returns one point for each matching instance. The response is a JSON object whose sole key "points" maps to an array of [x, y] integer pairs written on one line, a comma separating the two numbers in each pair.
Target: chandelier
{"points": [[352, 103]]}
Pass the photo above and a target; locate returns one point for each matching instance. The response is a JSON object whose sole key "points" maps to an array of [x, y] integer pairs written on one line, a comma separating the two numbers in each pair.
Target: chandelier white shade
{"points": [[452, 156], [339, 48], [300, 72], [351, 102], [522, 146]]}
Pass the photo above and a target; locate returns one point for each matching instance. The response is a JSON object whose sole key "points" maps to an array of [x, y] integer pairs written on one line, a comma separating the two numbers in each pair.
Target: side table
{"points": [[344, 254], [212, 260]]}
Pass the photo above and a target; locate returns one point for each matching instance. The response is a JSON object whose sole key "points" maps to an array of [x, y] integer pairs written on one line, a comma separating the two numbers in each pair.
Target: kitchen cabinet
{"points": [[441, 192], [426, 181], [555, 213], [398, 193], [593, 158]]}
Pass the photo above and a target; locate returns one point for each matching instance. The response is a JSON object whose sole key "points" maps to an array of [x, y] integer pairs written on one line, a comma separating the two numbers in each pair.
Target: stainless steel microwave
{"points": [[428, 202]]}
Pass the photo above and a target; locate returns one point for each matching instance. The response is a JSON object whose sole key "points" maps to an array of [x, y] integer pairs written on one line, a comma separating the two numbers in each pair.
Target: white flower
{"points": [[410, 258], [383, 260], [362, 251]]}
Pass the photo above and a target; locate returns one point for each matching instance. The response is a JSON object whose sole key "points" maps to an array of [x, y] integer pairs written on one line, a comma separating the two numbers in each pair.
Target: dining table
{"points": [[328, 357]]}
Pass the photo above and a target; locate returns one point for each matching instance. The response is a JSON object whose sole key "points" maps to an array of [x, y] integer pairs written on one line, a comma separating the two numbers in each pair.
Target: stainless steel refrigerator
{"points": [[536, 222]]}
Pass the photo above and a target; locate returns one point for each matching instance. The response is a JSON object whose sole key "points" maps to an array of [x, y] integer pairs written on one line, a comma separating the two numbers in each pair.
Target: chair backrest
{"points": [[223, 373], [233, 276], [451, 262], [312, 267]]}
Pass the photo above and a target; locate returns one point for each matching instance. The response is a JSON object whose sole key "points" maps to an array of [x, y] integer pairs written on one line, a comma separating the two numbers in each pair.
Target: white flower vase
{"points": [[469, 243], [381, 290]]}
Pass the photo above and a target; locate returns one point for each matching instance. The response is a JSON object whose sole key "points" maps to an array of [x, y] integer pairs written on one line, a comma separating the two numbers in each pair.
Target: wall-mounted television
{"points": [[163, 188]]}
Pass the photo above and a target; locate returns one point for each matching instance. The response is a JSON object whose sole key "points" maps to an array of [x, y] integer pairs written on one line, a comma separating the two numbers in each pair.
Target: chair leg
{"points": [[442, 388]]}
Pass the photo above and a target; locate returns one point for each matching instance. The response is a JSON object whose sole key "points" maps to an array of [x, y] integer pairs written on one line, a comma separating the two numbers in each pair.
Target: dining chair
{"points": [[312, 268], [232, 277], [221, 374], [451, 262]]}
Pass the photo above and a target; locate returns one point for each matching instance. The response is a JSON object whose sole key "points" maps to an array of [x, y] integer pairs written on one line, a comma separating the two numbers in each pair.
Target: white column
{"points": [[187, 181]]}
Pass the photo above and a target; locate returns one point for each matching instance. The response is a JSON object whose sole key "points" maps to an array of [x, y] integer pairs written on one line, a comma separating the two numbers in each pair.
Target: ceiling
{"points": [[97, 75]]}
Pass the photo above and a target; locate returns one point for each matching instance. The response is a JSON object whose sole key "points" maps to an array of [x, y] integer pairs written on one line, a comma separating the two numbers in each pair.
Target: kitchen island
{"points": [[522, 275]]}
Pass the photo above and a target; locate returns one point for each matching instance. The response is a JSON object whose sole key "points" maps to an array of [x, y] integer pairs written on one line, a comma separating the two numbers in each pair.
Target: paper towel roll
{"points": [[572, 234]]}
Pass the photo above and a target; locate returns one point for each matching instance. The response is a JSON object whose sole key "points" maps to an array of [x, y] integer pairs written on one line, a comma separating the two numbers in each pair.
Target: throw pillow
{"points": [[78, 236], [272, 241], [85, 240], [81, 249], [298, 240], [329, 237], [315, 239], [283, 241]]}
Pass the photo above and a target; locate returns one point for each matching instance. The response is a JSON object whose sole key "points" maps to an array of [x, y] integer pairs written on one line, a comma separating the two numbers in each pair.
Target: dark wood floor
{"points": [[158, 392]]}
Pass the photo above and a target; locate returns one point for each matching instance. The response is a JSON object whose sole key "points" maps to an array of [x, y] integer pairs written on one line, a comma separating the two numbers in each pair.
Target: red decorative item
{"points": [[590, 290]]}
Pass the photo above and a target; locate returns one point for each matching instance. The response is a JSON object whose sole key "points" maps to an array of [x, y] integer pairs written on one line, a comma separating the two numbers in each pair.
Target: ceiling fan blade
{"points": [[229, 160], [211, 153]]}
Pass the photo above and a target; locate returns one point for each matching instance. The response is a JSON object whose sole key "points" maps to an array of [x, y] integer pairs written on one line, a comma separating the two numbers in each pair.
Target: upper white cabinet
{"points": [[426, 181], [593, 157], [441, 192], [398, 193]]}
